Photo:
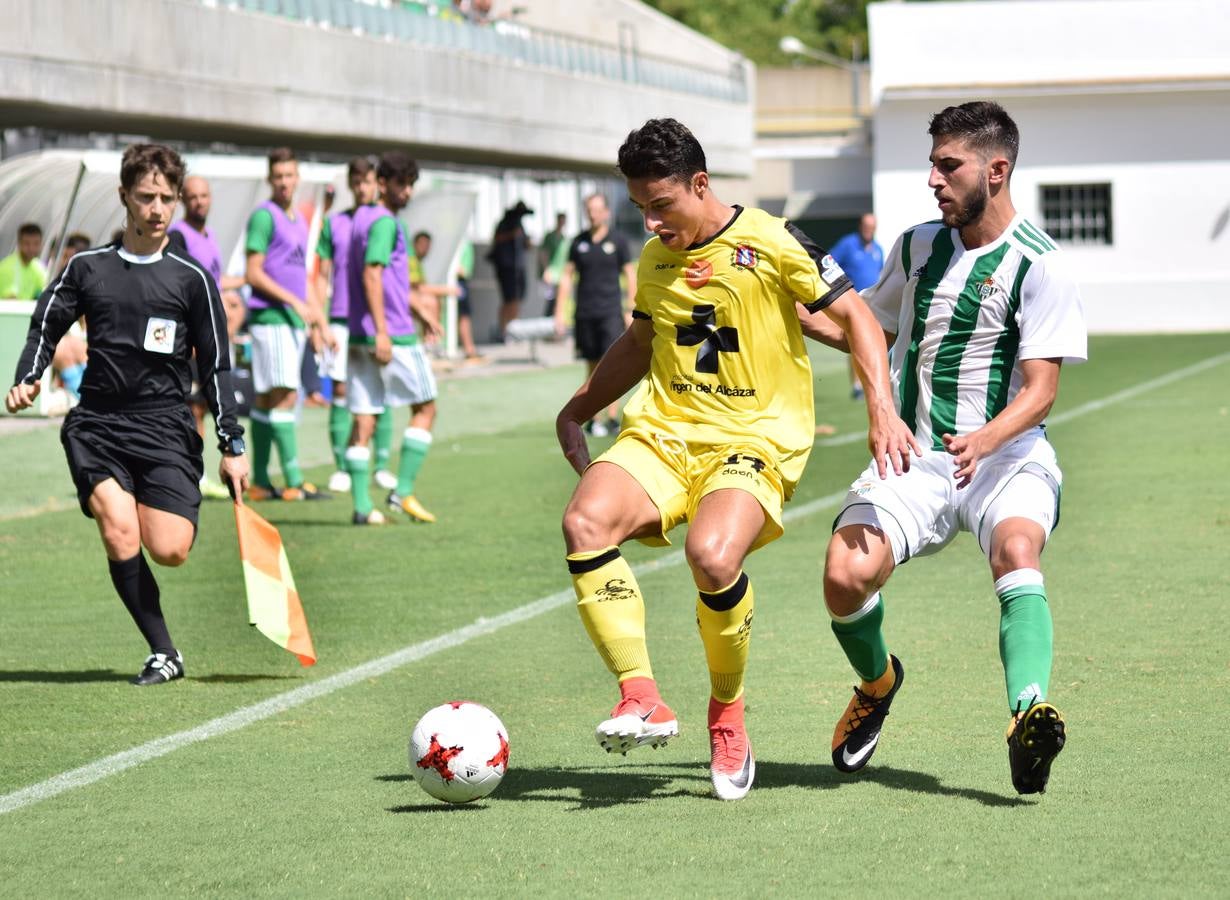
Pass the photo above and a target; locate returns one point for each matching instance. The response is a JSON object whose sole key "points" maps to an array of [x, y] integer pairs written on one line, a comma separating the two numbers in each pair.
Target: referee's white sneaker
{"points": [[159, 669]]}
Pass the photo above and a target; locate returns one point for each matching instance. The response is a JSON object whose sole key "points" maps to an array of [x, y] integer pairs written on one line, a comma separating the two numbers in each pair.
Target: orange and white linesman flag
{"points": [[273, 601]]}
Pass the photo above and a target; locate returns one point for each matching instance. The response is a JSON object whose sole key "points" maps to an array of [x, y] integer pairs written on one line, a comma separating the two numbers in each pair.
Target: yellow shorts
{"points": [[677, 476]]}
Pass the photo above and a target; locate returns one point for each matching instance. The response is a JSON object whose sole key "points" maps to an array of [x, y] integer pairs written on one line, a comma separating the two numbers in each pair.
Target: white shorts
{"points": [[333, 362], [922, 510], [405, 381], [277, 355]]}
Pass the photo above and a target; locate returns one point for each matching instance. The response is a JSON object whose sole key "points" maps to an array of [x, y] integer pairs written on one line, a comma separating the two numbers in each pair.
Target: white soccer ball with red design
{"points": [[459, 751]]}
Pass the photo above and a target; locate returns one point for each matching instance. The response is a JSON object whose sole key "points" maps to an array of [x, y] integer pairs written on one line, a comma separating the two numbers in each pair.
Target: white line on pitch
{"points": [[241, 718]]}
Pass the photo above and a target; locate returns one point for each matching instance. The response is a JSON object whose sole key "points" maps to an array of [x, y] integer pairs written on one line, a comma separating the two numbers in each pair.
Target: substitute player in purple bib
{"points": [[387, 366], [980, 315], [279, 312], [132, 444], [333, 249]]}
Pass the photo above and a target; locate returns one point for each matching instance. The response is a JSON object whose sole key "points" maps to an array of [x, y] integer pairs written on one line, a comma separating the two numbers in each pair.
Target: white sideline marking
{"points": [[240, 718]]}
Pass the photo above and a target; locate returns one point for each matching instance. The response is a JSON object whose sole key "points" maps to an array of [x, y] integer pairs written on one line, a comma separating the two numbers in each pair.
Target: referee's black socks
{"points": [[134, 582]]}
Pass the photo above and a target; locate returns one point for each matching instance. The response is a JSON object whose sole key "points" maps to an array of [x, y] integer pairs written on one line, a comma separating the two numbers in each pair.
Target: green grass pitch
{"points": [[318, 799]]}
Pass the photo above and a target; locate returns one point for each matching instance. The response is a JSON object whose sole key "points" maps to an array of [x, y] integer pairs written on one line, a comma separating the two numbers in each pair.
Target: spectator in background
{"points": [[509, 248], [548, 250], [596, 259], [465, 322], [861, 258], [429, 294], [73, 244], [22, 276]]}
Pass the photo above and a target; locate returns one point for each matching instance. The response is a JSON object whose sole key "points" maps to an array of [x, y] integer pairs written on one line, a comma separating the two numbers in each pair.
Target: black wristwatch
{"points": [[234, 447]]}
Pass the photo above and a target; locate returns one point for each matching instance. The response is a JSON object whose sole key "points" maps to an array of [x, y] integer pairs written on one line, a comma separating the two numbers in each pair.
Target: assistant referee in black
{"points": [[132, 444]]}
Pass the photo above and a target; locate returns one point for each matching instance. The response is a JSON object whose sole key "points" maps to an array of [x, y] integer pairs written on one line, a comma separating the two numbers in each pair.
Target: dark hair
{"points": [[141, 159], [29, 228], [397, 165], [984, 125], [281, 155], [78, 241], [360, 166], [661, 148], [419, 234]]}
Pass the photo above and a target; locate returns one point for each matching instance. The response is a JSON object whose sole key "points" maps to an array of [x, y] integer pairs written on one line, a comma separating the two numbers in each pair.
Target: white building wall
{"points": [[1159, 135]]}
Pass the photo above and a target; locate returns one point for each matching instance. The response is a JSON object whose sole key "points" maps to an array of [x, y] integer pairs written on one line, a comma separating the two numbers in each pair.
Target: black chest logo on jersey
{"points": [[713, 340]]}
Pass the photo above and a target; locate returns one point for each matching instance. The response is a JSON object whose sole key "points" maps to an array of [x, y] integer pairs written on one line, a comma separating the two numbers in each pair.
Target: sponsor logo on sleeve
{"points": [[830, 271]]}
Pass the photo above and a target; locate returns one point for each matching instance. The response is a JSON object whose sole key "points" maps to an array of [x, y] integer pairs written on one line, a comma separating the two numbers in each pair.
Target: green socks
{"points": [[862, 640], [358, 462], [283, 423], [339, 432], [384, 438], [414, 446], [262, 447], [1026, 636]]}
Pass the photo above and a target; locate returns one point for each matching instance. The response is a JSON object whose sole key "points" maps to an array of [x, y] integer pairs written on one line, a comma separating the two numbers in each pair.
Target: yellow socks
{"points": [[725, 621], [612, 610]]}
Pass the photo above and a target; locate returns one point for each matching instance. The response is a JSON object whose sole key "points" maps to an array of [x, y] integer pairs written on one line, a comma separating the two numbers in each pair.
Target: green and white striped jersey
{"points": [[965, 319]]}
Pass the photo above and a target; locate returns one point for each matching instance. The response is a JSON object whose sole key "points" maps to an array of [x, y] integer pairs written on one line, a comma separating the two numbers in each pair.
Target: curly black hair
{"points": [[397, 165], [661, 148]]}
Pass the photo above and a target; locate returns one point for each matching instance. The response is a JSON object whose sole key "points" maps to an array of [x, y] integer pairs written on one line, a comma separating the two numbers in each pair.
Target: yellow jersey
{"points": [[729, 364]]}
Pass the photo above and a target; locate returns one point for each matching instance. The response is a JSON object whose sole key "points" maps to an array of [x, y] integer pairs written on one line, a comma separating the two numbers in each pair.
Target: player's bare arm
{"points": [[373, 286], [317, 293], [1039, 387], [888, 437], [426, 306], [263, 284], [619, 370]]}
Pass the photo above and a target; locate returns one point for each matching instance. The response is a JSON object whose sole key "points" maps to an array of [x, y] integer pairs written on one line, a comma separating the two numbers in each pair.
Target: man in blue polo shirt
{"points": [[861, 258]]}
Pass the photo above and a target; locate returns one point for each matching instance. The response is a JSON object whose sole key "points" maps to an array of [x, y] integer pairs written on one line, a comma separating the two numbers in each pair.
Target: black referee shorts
{"points": [[155, 455], [594, 336]]}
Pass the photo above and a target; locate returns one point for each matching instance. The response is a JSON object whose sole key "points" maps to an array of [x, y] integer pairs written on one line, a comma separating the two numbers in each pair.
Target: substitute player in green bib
{"points": [[717, 434], [980, 315]]}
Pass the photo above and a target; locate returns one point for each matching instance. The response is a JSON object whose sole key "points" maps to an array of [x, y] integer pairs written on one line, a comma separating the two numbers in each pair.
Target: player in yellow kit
{"points": [[717, 434]]}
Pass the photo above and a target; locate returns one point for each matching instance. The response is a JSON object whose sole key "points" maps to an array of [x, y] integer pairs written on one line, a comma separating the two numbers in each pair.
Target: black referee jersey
{"points": [[144, 317]]}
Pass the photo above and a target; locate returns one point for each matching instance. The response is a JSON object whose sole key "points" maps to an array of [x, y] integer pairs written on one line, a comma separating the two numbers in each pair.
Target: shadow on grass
{"points": [[771, 775], [239, 678], [581, 788], [592, 788], [85, 676]]}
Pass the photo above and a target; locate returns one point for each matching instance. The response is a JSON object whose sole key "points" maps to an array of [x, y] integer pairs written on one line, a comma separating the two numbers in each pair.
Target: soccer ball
{"points": [[459, 752]]}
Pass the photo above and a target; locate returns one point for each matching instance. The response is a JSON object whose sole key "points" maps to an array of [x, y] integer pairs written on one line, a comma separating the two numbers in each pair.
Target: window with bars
{"points": [[1077, 213]]}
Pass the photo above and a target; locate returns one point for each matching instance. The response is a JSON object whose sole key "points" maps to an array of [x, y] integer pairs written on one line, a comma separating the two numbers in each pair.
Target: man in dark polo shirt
{"points": [[596, 259]]}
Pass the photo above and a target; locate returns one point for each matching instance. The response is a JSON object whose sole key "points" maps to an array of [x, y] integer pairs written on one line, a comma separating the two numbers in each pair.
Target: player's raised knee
{"points": [[170, 555], [1016, 550], [585, 529], [713, 565]]}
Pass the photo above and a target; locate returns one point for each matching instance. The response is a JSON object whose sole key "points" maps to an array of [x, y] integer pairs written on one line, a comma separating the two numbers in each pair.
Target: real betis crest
{"points": [[987, 288]]}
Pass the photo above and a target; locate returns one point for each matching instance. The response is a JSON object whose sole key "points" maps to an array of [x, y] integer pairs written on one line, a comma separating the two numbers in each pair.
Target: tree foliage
{"points": [[754, 27]]}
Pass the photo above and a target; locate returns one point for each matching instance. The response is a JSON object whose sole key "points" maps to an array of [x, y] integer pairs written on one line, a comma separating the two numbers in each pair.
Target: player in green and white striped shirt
{"points": [[979, 315]]}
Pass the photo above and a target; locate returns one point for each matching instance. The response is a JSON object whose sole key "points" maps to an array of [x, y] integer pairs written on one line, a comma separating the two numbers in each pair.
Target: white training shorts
{"points": [[277, 355], [405, 381], [922, 510], [333, 362]]}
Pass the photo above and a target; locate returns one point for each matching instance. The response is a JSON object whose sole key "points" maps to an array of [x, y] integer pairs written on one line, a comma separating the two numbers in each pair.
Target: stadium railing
{"points": [[419, 23]]}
